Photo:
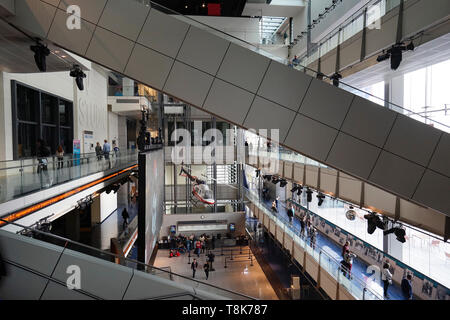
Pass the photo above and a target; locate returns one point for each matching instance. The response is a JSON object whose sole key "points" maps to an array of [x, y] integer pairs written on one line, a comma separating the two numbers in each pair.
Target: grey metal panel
{"points": [[19, 284], [441, 158], [56, 291], [98, 277], [23, 250], [35, 16], [434, 191]]}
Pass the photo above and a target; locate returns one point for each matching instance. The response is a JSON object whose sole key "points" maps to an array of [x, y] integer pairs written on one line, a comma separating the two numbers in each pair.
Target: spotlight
{"points": [[116, 188], [383, 57], [258, 172], [79, 75], [40, 55], [275, 180], [396, 54], [400, 233], [335, 78], [309, 195], [373, 221], [283, 183], [267, 177], [295, 188], [108, 189], [320, 76], [320, 197], [300, 189]]}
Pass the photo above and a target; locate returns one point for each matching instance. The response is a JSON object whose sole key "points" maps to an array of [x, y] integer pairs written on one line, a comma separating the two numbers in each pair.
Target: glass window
{"points": [[26, 140], [50, 137], [27, 104], [49, 109], [66, 140], [65, 113]]}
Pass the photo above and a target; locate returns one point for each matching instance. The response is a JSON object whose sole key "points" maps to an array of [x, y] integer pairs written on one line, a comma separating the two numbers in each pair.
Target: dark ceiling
{"points": [[229, 8]]}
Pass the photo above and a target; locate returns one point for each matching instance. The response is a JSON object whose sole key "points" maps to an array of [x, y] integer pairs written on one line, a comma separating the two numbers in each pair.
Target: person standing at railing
{"points": [[313, 237], [302, 225], [274, 206], [345, 248], [98, 151], [106, 149], [60, 156], [290, 213], [407, 287], [348, 257], [386, 277], [125, 217]]}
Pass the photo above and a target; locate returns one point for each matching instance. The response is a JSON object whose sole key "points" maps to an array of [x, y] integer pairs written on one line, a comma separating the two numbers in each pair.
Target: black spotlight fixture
{"points": [[396, 54], [309, 195], [267, 177], [335, 78], [283, 183], [373, 221], [275, 180], [320, 198], [320, 76], [400, 233], [258, 173], [108, 189], [116, 188], [300, 190], [79, 75], [41, 53], [295, 188]]}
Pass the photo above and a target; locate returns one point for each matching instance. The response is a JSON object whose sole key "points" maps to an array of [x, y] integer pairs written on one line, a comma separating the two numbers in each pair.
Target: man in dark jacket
{"points": [[125, 217], [407, 287], [194, 266]]}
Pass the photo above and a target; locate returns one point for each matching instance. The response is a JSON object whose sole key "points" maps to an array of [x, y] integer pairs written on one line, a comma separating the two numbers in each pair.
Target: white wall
{"points": [[108, 203]]}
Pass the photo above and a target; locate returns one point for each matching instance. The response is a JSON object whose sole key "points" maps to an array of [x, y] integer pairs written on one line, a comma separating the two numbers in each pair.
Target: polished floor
{"points": [[239, 276]]}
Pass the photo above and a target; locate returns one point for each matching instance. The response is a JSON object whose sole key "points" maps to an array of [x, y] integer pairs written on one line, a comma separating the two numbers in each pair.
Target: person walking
{"points": [[302, 225], [290, 213], [407, 287], [348, 257], [386, 277], [198, 247], [194, 266], [211, 260], [116, 149], [125, 217], [98, 151], [106, 149], [206, 269], [313, 237], [274, 206], [60, 156]]}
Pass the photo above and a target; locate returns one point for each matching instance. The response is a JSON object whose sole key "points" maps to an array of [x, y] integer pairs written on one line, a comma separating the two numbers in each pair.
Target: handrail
{"points": [[303, 237], [116, 256], [284, 61]]}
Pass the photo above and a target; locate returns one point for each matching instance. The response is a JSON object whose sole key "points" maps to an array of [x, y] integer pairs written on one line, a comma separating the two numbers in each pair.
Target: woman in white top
{"points": [[60, 156], [386, 277]]}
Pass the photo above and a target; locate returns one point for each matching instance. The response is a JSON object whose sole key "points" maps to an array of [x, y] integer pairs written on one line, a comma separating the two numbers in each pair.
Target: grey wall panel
{"points": [[349, 188], [35, 16], [117, 15], [298, 172], [368, 121], [203, 50], [90, 10], [434, 191], [328, 179], [380, 199], [420, 14], [384, 37], [154, 71], [284, 85], [397, 174], [22, 250], [327, 63], [228, 101], [351, 51], [441, 158], [188, 83], [243, 68], [412, 140], [326, 103], [312, 174], [163, 33], [21, 285], [99, 277], [411, 213], [353, 155], [56, 291], [268, 115], [76, 40], [311, 137], [110, 49]]}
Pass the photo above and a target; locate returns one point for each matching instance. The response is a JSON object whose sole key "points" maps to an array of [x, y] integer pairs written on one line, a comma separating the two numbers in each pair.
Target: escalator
{"points": [[232, 80], [48, 267]]}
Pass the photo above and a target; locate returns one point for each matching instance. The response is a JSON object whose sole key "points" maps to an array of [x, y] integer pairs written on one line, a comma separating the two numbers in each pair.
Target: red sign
{"points": [[214, 9]]}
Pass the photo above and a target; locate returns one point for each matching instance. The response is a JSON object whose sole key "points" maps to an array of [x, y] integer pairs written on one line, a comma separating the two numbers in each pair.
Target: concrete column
{"points": [[122, 136], [396, 92], [128, 87]]}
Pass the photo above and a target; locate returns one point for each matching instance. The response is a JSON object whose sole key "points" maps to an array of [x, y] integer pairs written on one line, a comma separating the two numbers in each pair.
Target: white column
{"points": [[128, 87]]}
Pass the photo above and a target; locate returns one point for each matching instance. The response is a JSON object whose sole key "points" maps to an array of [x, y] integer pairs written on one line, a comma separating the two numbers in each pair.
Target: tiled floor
{"points": [[239, 275]]}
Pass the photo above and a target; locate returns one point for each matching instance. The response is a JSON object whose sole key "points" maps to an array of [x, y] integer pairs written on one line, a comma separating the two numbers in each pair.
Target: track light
{"points": [[309, 195], [373, 221], [295, 188], [267, 177], [396, 54], [335, 78], [300, 189], [41, 53], [321, 198], [283, 183], [79, 75], [400, 233]]}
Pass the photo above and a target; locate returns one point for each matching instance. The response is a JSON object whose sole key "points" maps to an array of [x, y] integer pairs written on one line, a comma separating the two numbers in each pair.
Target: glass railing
{"points": [[354, 285], [165, 273], [21, 177]]}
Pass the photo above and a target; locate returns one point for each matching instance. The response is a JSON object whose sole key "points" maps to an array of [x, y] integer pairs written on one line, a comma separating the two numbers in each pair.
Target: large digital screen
{"points": [[151, 201]]}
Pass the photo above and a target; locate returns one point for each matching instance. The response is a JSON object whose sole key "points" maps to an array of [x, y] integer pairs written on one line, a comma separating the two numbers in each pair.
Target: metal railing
{"points": [[111, 257], [20, 177], [354, 285]]}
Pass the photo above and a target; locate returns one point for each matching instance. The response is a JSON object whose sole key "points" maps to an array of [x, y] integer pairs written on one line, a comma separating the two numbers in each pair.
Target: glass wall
{"points": [[38, 114]]}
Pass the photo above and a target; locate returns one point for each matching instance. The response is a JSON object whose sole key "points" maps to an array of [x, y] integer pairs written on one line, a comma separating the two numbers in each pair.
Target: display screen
{"points": [[151, 201]]}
